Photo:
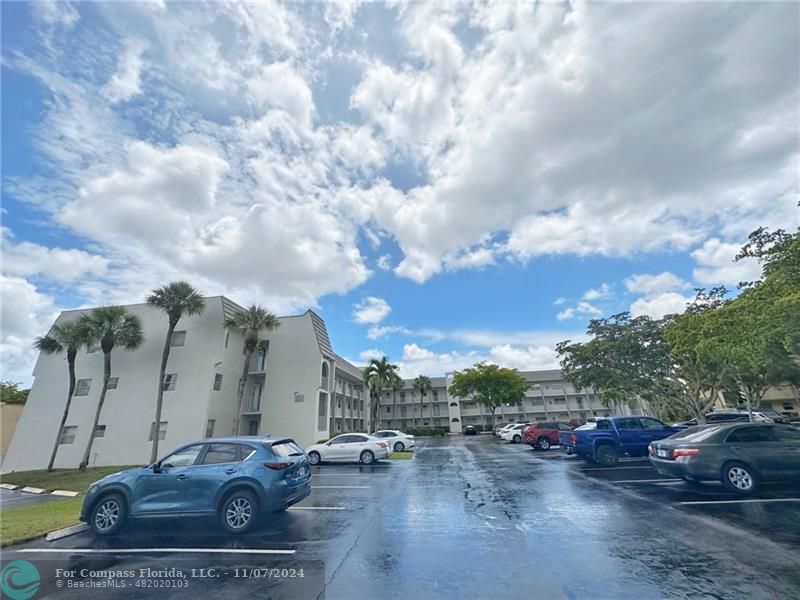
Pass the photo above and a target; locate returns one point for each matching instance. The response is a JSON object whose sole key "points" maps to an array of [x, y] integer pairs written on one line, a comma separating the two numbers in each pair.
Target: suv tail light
{"points": [[277, 466], [685, 452]]}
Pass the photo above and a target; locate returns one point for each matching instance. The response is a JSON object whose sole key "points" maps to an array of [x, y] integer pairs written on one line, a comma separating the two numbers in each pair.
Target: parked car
{"points": [[543, 434], [740, 455], [614, 436], [470, 430], [496, 429], [397, 440], [236, 479], [513, 434], [500, 429], [349, 447], [730, 416]]}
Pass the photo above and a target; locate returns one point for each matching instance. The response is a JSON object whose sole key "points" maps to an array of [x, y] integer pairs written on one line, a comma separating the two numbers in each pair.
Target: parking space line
{"points": [[341, 487], [647, 481], [317, 507], [613, 468], [743, 501], [152, 550]]}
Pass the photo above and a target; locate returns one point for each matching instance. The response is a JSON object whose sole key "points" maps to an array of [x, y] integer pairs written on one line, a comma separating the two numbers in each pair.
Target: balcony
{"points": [[251, 404], [258, 363]]}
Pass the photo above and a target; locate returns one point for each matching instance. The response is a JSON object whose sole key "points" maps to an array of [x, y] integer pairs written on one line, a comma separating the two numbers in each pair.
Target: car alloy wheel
{"points": [[543, 443], [238, 513], [740, 479], [367, 457], [313, 458], [398, 446], [106, 515], [607, 456], [517, 439]]}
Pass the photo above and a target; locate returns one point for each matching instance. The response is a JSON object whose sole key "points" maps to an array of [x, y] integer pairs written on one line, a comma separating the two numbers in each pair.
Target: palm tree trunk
{"points": [[160, 397], [106, 377], [242, 383], [71, 354]]}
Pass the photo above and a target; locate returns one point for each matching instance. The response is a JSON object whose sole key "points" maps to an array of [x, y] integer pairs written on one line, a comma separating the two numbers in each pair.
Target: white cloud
{"points": [[604, 291], [661, 304], [27, 259], [371, 310], [384, 262], [125, 82], [371, 353], [654, 284], [56, 12], [716, 265], [340, 15], [582, 309], [376, 331]]}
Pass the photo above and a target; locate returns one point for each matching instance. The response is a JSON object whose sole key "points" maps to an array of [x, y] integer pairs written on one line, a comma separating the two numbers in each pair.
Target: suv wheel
{"points": [[367, 457], [739, 478], [239, 512], [399, 447], [517, 439], [314, 458], [108, 515], [543, 443], [607, 456]]}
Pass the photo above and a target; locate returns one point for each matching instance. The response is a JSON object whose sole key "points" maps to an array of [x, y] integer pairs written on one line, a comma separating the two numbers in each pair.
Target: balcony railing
{"points": [[251, 404]]}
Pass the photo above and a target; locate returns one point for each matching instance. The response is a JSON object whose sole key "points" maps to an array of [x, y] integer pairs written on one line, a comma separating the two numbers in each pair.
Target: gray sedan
{"points": [[740, 455]]}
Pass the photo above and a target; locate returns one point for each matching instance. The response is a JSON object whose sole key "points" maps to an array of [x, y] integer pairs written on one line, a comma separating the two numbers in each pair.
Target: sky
{"points": [[443, 183]]}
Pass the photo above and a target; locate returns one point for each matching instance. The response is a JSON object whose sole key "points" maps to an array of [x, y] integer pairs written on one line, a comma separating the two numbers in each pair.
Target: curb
{"points": [[34, 490], [66, 532], [64, 493], [8, 486]]}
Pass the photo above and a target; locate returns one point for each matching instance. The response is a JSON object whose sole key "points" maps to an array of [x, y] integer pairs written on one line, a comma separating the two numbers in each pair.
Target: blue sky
{"points": [[444, 183]]}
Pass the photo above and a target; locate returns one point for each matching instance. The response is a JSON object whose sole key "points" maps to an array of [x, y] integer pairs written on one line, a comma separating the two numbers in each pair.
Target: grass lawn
{"points": [[59, 479], [401, 455], [29, 522]]}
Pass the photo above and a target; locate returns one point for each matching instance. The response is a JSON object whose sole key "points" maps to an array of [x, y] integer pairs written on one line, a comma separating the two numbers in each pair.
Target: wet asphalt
{"points": [[466, 518]]}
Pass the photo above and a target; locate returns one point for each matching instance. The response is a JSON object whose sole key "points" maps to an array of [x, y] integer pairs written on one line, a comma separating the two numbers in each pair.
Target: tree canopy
{"points": [[489, 385]]}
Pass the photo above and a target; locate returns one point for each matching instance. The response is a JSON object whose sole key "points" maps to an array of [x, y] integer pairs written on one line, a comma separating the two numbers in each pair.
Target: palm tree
{"points": [[69, 337], [176, 299], [251, 323], [378, 375], [109, 326], [423, 385]]}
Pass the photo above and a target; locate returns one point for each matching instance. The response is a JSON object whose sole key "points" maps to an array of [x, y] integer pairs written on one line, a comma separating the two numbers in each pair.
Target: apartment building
{"points": [[296, 387], [550, 397]]}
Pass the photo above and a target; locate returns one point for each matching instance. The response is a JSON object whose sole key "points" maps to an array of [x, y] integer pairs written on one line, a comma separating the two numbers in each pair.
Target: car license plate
{"points": [[662, 453]]}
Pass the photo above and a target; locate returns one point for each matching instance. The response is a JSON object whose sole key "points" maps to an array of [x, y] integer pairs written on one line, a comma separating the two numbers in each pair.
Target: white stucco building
{"points": [[297, 387]]}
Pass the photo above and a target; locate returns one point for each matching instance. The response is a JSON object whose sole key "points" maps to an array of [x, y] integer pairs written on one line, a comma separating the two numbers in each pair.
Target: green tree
{"points": [[109, 326], [251, 323], [489, 385], [378, 376], [176, 299], [69, 338], [422, 384], [10, 393]]}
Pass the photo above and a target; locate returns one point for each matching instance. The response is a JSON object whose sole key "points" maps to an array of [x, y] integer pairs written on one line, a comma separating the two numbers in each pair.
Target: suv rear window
{"points": [[286, 448]]}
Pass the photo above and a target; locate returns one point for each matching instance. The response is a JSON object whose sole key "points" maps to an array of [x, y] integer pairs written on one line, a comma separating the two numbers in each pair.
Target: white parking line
{"points": [[747, 501], [341, 487], [613, 468], [317, 508], [153, 550], [647, 481]]}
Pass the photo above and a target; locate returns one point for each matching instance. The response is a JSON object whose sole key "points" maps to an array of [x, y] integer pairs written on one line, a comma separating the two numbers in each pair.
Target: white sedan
{"points": [[349, 447], [514, 434], [397, 440], [503, 429]]}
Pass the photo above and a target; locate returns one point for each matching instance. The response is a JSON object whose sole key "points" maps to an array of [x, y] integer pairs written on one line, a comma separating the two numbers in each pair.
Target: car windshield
{"points": [[286, 448], [696, 434], [586, 427]]}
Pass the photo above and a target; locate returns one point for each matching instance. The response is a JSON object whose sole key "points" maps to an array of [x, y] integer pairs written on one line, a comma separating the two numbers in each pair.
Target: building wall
{"points": [[9, 417]]}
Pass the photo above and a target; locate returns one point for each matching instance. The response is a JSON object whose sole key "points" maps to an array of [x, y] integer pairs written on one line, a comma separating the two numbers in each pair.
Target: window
{"points": [[252, 428], [286, 448], [217, 382], [82, 387], [210, 428], [388, 409], [170, 379], [100, 431], [747, 435], [362, 405], [113, 382], [402, 396], [785, 434], [218, 454], [299, 397], [403, 411], [162, 430], [182, 458], [324, 374], [629, 424], [453, 404], [604, 425], [435, 396], [68, 434], [178, 338], [651, 424], [454, 420]]}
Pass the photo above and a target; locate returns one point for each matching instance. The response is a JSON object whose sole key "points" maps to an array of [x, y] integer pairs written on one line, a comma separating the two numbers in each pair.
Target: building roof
{"points": [[348, 367], [322, 334]]}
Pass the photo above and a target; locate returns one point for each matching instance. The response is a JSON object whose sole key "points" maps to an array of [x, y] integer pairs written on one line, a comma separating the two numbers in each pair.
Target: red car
{"points": [[543, 434]]}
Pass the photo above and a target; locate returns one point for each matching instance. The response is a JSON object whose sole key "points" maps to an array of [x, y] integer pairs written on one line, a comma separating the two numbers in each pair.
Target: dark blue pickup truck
{"points": [[612, 437]]}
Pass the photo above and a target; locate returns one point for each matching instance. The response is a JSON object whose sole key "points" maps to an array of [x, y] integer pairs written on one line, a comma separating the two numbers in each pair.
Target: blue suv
{"points": [[235, 478]]}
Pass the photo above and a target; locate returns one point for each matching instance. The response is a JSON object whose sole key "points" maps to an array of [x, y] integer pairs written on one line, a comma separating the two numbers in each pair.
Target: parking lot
{"points": [[477, 517]]}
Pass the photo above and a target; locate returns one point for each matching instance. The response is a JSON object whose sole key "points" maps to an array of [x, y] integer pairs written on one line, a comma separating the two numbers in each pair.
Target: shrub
{"points": [[427, 431]]}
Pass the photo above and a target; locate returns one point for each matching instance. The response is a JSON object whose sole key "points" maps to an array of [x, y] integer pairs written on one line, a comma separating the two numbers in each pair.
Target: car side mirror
{"points": [[157, 467]]}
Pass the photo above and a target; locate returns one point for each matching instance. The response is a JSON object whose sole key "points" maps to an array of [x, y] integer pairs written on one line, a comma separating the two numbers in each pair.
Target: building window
{"points": [[299, 397], [362, 405], [324, 374], [113, 382], [402, 396], [322, 413], [100, 431], [403, 411], [453, 404], [435, 396], [252, 428], [178, 338], [162, 431], [348, 404], [388, 409], [435, 410], [68, 434], [170, 379], [210, 428], [455, 420], [82, 387], [217, 382]]}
